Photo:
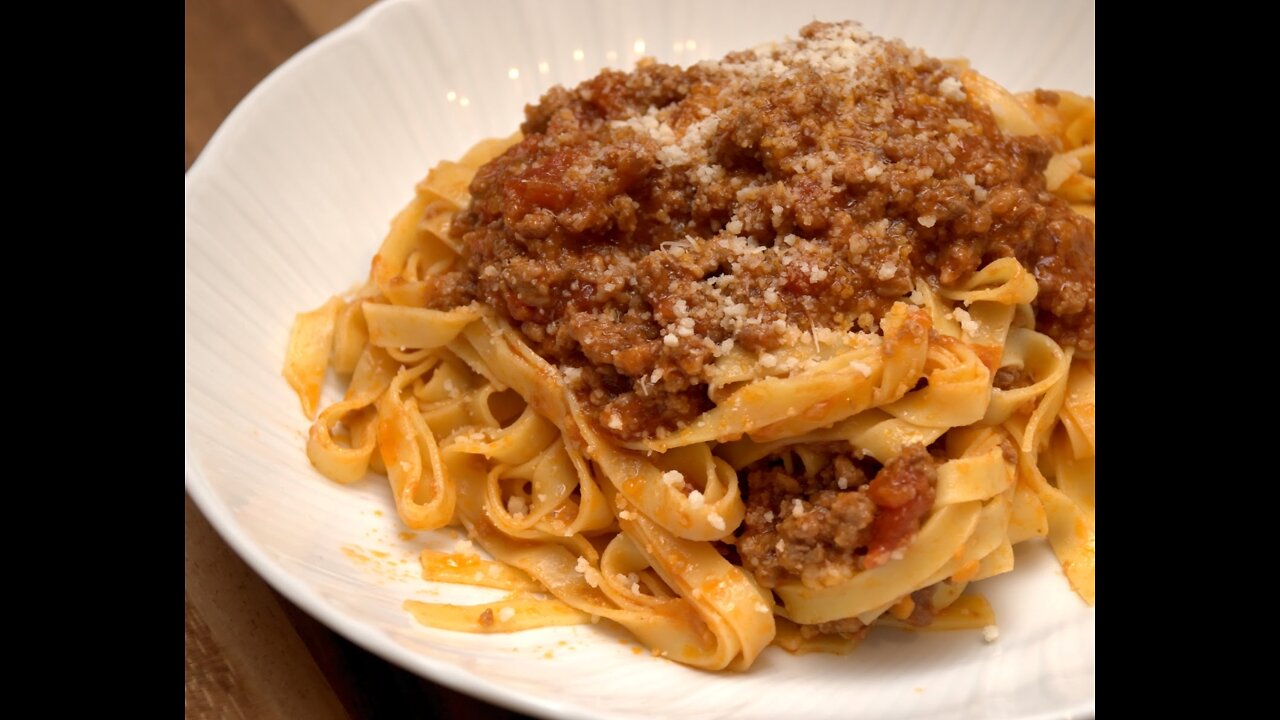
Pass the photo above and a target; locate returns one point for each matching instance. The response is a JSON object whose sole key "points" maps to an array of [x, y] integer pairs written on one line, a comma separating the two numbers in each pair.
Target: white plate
{"points": [[287, 205]]}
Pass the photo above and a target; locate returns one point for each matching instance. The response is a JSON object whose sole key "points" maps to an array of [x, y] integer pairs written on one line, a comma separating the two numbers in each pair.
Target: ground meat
{"points": [[922, 608], [1012, 378], [651, 220], [821, 527], [449, 289], [903, 492], [844, 627]]}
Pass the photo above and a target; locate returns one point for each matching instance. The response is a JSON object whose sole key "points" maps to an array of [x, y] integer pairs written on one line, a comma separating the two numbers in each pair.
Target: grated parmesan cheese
{"points": [[967, 323], [590, 574], [952, 89], [517, 506], [696, 500], [716, 521]]}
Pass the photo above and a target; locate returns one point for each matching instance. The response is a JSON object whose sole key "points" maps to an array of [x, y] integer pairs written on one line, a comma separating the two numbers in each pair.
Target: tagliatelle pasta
{"points": [[767, 350]]}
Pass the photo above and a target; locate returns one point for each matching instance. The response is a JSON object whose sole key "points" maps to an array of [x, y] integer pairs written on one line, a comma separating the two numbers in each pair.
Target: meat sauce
{"points": [[823, 527], [651, 221]]}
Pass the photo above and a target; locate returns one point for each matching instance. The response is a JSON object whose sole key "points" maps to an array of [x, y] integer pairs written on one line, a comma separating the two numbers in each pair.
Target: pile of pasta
{"points": [[471, 427]]}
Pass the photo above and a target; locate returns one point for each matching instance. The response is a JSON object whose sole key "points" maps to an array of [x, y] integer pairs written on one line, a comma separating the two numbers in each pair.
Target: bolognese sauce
{"points": [[650, 221], [823, 526]]}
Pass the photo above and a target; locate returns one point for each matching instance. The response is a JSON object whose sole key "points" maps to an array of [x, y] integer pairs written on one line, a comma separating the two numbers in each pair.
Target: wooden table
{"points": [[251, 653]]}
